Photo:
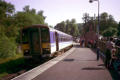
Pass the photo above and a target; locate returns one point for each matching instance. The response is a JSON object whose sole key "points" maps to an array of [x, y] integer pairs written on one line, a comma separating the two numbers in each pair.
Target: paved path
{"points": [[81, 64]]}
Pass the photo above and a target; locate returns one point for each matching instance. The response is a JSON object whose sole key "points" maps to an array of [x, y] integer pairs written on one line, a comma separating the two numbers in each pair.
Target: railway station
{"points": [[59, 40]]}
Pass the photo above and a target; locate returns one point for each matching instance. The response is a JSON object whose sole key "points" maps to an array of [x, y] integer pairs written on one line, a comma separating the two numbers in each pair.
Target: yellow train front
{"points": [[40, 40]]}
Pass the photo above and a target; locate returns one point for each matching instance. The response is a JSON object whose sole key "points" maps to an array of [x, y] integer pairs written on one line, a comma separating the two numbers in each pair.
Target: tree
{"points": [[69, 27], [61, 26], [29, 17], [73, 21], [33, 11], [107, 23], [7, 47], [80, 28], [6, 10], [7, 30], [104, 16], [107, 33], [26, 8], [86, 17], [108, 26]]}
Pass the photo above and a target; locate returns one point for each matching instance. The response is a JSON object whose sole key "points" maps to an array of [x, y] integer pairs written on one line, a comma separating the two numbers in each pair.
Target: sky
{"points": [[61, 10]]}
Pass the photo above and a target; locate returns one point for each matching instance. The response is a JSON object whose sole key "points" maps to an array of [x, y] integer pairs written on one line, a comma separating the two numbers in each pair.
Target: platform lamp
{"points": [[98, 25]]}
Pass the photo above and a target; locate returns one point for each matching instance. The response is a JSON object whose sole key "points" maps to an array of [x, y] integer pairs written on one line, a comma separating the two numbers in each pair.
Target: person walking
{"points": [[98, 53], [83, 43]]}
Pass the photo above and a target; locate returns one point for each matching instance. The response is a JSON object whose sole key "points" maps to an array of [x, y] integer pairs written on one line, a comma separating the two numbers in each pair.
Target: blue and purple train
{"points": [[44, 41]]}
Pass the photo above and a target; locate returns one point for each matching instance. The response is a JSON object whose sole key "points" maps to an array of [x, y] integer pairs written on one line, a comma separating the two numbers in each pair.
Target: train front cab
{"points": [[36, 41]]}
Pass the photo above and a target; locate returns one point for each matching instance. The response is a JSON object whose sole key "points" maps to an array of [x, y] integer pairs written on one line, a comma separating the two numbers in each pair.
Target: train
{"points": [[41, 40]]}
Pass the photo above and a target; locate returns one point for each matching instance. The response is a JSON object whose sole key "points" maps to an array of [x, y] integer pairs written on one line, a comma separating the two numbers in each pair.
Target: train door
{"points": [[45, 40], [35, 41], [57, 41]]}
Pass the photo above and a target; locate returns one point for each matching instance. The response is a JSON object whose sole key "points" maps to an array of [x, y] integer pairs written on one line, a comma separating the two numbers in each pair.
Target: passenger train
{"points": [[40, 40]]}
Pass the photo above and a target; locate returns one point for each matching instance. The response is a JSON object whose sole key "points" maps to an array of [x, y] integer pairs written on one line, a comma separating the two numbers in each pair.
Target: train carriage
{"points": [[41, 40]]}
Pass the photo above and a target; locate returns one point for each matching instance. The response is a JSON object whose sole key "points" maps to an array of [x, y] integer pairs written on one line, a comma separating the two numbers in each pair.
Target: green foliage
{"points": [[22, 19], [80, 28], [69, 27], [6, 10], [86, 17], [29, 17], [107, 33], [11, 23], [12, 66], [7, 47], [104, 16], [2, 30], [108, 26], [8, 31]]}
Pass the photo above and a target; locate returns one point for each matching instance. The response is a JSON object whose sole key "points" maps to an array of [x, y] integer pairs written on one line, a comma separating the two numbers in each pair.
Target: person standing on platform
{"points": [[83, 43], [98, 53], [109, 45], [80, 42], [113, 56], [97, 50]]}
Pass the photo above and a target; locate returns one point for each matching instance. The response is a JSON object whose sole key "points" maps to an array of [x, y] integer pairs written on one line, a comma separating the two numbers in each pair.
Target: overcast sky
{"points": [[61, 10]]}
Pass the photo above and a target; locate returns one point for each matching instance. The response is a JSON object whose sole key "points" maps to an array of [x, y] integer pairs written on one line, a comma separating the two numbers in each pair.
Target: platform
{"points": [[76, 64]]}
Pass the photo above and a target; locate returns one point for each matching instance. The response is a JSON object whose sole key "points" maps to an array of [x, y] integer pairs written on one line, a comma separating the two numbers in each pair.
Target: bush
{"points": [[7, 47]]}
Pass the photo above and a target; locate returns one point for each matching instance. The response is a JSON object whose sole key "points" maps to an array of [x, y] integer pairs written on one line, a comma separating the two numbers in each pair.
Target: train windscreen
{"points": [[45, 34], [25, 36]]}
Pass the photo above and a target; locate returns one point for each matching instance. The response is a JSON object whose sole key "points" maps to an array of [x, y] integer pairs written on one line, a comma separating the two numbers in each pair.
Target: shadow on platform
{"points": [[76, 46], [68, 60], [93, 68], [101, 65], [80, 60]]}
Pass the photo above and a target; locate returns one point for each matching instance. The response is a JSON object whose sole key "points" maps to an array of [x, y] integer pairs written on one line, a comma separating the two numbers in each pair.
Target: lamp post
{"points": [[98, 25], [97, 28]]}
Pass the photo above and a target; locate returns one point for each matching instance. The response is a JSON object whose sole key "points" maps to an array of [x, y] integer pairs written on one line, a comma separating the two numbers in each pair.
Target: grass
{"points": [[3, 74], [11, 65], [4, 60]]}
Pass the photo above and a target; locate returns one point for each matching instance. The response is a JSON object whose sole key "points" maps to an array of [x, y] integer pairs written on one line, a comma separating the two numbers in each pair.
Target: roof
{"points": [[44, 26], [35, 26], [52, 29]]}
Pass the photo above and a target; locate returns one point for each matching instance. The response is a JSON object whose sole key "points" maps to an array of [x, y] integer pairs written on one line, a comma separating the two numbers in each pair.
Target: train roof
{"points": [[44, 26], [60, 32], [35, 26]]}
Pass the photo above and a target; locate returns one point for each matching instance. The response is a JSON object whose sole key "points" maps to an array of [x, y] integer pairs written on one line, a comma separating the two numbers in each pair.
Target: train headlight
{"points": [[46, 50], [26, 51]]}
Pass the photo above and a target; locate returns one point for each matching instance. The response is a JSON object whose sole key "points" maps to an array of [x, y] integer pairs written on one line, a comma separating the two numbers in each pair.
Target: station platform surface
{"points": [[81, 64], [76, 64]]}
